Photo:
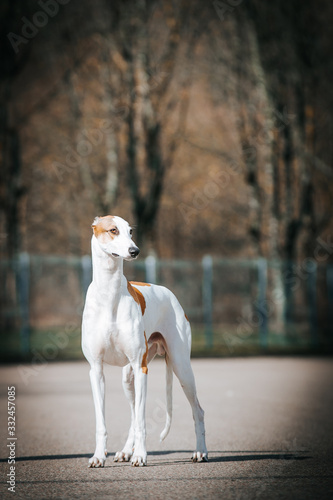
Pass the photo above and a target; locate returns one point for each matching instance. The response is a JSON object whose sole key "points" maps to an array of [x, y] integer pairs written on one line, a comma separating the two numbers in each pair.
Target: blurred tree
{"points": [[296, 67], [181, 88], [145, 80], [11, 188]]}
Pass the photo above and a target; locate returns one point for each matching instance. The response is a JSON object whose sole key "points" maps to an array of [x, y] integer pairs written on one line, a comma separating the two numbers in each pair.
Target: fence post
{"points": [[23, 294], [262, 302], [207, 299], [86, 266], [150, 266], [329, 281], [312, 297], [288, 274]]}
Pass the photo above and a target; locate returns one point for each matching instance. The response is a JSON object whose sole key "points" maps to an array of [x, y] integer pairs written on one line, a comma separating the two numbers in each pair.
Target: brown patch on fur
{"points": [[157, 338], [139, 283], [144, 358], [186, 317], [102, 228], [137, 296]]}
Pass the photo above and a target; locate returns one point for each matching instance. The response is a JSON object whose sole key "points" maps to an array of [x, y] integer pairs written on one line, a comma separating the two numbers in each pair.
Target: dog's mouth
{"points": [[114, 254]]}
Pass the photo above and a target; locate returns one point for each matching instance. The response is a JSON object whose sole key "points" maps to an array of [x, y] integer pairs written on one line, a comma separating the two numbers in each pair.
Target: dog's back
{"points": [[162, 313]]}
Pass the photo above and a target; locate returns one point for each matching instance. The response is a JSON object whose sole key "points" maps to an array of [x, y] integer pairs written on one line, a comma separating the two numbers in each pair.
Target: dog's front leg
{"points": [[139, 457], [97, 385], [128, 386]]}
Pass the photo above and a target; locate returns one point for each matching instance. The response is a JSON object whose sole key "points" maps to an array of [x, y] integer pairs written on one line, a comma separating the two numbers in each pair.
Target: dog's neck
{"points": [[108, 273]]}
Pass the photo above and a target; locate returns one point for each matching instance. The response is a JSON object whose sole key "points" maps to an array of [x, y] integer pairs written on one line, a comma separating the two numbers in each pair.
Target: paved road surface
{"points": [[268, 425]]}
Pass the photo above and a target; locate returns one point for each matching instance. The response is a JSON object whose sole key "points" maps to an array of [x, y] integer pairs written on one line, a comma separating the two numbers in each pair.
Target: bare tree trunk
{"points": [[10, 181], [146, 167]]}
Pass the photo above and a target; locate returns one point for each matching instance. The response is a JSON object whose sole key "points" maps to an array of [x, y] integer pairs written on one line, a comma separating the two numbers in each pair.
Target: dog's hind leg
{"points": [[186, 378], [98, 390], [128, 386], [179, 356]]}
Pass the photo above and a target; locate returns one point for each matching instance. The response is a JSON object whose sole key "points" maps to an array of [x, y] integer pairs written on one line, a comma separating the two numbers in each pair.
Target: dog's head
{"points": [[114, 236]]}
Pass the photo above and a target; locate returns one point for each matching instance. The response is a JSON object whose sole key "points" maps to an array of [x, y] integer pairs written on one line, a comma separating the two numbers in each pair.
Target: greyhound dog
{"points": [[126, 324]]}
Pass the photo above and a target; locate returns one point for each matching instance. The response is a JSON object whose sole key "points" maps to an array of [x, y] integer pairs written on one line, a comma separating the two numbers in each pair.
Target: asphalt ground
{"points": [[268, 428]]}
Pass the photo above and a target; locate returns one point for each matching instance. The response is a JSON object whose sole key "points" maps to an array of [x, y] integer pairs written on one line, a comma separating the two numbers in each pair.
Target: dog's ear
{"points": [[95, 222]]}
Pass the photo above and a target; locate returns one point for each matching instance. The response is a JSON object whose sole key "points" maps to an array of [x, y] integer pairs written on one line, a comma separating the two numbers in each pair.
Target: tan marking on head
{"points": [[104, 228], [144, 358], [138, 283], [137, 296], [186, 317]]}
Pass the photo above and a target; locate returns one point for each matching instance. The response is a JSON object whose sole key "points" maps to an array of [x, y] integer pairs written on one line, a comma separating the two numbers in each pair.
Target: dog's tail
{"points": [[169, 377]]}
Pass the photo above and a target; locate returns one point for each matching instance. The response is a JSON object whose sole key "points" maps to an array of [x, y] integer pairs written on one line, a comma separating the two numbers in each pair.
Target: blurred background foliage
{"points": [[207, 125]]}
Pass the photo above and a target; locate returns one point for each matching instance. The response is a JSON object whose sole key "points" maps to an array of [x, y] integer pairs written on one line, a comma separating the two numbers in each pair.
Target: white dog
{"points": [[127, 324]]}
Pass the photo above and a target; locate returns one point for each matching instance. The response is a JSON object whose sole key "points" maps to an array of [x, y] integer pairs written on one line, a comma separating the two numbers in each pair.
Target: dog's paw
{"points": [[139, 460], [199, 457], [122, 456], [95, 462]]}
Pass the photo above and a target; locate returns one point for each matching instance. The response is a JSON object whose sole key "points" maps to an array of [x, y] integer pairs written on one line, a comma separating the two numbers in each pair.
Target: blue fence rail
{"points": [[229, 302]]}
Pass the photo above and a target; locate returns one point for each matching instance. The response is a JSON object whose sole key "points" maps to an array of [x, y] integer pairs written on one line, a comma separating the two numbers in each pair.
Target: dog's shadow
{"points": [[218, 456], [225, 456]]}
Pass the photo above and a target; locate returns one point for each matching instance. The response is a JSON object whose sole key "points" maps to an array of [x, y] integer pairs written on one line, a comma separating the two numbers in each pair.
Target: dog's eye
{"points": [[113, 230]]}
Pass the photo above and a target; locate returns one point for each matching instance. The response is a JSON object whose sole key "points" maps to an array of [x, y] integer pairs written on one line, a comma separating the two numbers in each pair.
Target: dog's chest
{"points": [[114, 352], [102, 336]]}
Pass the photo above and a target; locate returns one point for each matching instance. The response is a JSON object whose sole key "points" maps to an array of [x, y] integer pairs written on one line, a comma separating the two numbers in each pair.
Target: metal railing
{"points": [[230, 303]]}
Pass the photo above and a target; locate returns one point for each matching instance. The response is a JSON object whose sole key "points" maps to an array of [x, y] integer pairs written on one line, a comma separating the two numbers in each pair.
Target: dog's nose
{"points": [[134, 251]]}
